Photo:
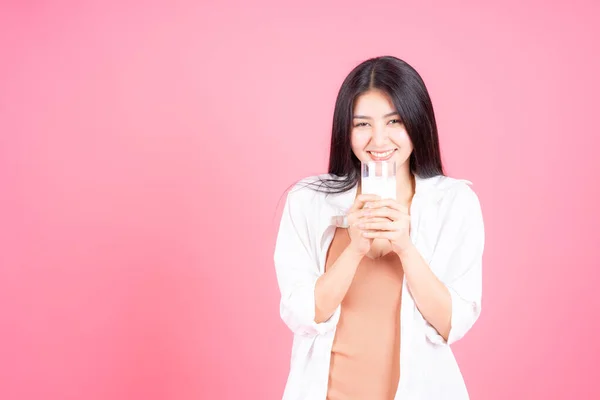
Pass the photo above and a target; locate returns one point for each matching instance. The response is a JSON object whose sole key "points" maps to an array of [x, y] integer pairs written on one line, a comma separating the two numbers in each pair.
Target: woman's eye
{"points": [[395, 121], [361, 124]]}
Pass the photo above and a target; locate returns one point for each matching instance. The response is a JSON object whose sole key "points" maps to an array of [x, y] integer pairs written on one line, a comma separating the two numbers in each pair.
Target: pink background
{"points": [[144, 149]]}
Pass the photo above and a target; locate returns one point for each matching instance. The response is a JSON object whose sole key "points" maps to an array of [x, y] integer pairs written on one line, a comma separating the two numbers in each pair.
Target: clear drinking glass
{"points": [[379, 177]]}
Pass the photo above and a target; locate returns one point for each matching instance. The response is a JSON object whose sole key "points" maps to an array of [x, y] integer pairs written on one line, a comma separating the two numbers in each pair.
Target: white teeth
{"points": [[381, 155]]}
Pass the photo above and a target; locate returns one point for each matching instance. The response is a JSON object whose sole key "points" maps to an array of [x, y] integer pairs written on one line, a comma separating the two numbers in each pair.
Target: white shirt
{"points": [[446, 228]]}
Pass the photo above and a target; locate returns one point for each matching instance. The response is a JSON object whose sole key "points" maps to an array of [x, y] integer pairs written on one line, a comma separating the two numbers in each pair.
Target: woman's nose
{"points": [[379, 135]]}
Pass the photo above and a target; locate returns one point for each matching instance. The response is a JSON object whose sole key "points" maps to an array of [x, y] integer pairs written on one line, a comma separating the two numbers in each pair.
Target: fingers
{"points": [[361, 199], [384, 212], [379, 235], [373, 225], [363, 220], [389, 203], [355, 219]]}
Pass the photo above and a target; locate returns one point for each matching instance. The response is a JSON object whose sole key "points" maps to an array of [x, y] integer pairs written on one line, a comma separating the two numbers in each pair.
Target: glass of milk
{"points": [[379, 177]]}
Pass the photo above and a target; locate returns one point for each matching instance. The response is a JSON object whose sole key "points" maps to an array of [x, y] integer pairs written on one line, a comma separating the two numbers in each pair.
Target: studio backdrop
{"points": [[145, 152]]}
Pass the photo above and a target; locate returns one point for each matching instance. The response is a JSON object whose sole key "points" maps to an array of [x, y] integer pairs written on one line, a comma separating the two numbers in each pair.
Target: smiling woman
{"points": [[375, 302], [379, 137], [382, 96]]}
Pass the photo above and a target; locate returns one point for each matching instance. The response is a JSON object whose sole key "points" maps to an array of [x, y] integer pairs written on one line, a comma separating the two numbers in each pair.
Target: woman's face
{"points": [[377, 131]]}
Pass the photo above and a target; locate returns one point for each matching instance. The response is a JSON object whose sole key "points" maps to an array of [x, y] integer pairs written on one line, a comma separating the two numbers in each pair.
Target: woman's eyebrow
{"points": [[385, 116]]}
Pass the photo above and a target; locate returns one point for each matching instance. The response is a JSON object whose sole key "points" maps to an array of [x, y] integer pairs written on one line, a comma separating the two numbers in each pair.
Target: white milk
{"points": [[384, 186]]}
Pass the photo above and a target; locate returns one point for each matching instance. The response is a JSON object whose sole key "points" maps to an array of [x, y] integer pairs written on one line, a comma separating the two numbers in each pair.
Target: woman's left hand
{"points": [[396, 230]]}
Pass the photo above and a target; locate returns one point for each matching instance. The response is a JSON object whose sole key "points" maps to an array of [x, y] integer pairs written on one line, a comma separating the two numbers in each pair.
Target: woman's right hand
{"points": [[358, 243]]}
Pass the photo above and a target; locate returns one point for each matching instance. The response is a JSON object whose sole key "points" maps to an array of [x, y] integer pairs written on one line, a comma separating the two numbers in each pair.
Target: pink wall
{"points": [[144, 149]]}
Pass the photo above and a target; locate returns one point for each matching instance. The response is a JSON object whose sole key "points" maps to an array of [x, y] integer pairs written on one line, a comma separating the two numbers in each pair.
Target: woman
{"points": [[375, 290]]}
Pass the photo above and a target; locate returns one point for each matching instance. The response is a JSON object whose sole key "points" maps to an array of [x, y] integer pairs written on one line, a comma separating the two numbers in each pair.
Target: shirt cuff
{"points": [[464, 314], [300, 313]]}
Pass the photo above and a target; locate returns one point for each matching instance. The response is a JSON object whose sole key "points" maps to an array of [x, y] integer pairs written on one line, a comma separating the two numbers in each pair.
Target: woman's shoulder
{"points": [[306, 190], [457, 195], [305, 200], [448, 185]]}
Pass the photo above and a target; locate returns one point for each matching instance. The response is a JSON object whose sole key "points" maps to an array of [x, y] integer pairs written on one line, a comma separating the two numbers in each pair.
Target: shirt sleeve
{"points": [[462, 252], [297, 269]]}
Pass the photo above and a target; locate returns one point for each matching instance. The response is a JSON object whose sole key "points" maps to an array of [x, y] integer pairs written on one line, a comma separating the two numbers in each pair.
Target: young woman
{"points": [[375, 290]]}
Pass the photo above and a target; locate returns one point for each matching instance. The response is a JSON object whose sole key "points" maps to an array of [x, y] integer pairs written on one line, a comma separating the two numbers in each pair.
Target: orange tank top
{"points": [[365, 358]]}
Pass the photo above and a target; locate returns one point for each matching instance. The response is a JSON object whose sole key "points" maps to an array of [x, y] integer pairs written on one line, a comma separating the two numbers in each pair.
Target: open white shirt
{"points": [[446, 228]]}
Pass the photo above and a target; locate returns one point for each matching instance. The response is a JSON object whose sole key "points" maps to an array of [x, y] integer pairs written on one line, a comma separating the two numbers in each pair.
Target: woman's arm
{"points": [[450, 303], [431, 296], [332, 286], [310, 301]]}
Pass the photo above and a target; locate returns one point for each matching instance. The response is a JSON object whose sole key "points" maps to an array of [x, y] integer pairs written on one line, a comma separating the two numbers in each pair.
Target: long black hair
{"points": [[410, 97]]}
